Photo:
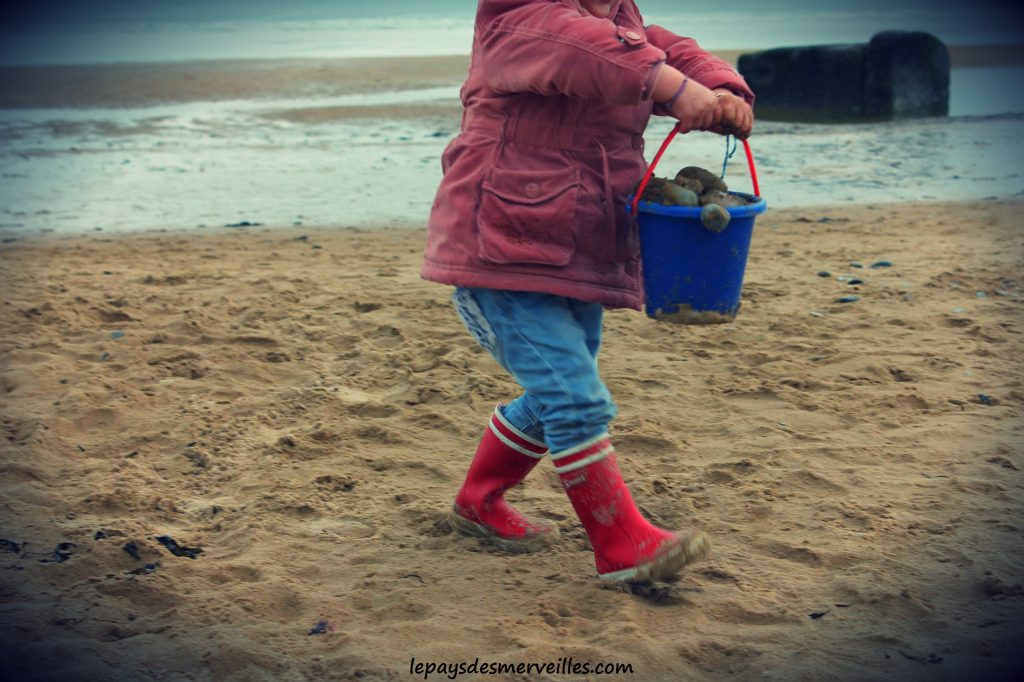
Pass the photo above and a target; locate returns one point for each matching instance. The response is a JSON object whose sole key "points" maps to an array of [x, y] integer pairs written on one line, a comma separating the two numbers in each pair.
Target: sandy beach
{"points": [[298, 405], [141, 85]]}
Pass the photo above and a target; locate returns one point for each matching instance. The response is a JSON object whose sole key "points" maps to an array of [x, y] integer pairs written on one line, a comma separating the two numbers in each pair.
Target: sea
{"points": [[187, 164]]}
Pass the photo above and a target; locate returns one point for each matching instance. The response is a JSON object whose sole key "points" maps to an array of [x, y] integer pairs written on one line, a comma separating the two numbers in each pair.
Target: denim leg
{"points": [[590, 317], [524, 414], [549, 345]]}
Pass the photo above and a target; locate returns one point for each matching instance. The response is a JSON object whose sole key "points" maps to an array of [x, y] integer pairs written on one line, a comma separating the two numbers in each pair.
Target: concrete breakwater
{"points": [[895, 75]]}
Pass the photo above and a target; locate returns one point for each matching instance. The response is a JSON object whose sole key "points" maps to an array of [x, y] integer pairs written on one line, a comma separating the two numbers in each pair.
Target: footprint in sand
{"points": [[339, 528], [715, 657], [799, 555], [733, 612]]}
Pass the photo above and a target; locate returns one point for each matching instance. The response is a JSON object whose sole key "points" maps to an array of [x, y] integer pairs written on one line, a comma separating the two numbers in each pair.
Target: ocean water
{"points": [[186, 165], [102, 31]]}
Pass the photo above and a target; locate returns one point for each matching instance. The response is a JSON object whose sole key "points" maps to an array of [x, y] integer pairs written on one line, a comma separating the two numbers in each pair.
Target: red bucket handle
{"points": [[664, 145]]}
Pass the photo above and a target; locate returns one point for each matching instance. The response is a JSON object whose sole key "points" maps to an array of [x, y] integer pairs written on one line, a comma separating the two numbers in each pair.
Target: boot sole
{"points": [[533, 543], [689, 546]]}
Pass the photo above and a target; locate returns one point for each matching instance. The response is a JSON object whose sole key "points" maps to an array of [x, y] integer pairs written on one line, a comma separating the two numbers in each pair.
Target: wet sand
{"points": [[138, 85], [301, 407]]}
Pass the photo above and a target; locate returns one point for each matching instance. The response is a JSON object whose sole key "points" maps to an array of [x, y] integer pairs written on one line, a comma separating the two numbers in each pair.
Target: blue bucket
{"points": [[691, 274]]}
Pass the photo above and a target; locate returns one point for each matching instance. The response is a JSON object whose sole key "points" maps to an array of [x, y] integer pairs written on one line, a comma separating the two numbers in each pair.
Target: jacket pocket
{"points": [[528, 216]]}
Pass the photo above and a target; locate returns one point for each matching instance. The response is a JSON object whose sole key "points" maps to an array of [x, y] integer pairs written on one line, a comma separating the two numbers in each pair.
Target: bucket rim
{"points": [[758, 207]]}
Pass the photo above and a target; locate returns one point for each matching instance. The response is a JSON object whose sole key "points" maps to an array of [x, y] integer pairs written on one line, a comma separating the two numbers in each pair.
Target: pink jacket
{"points": [[534, 187]]}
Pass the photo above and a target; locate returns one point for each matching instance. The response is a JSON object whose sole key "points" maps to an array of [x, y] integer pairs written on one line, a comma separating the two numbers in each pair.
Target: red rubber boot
{"points": [[626, 545], [504, 457]]}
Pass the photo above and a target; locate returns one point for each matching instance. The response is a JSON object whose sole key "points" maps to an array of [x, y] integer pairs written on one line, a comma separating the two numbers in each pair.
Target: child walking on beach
{"points": [[529, 226]]}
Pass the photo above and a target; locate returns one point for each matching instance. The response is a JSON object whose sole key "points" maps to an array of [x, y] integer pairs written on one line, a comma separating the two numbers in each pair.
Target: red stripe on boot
{"points": [[570, 460]]}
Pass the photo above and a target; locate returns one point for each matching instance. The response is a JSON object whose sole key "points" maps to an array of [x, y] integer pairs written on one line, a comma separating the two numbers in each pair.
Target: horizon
{"points": [[52, 12], [118, 31]]}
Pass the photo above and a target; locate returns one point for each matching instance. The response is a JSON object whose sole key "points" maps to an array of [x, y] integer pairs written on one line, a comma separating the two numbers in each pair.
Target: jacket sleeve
{"points": [[690, 58], [549, 48]]}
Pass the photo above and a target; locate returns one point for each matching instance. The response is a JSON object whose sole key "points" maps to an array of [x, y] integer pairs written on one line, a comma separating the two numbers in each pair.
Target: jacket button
{"points": [[633, 35], [532, 190]]}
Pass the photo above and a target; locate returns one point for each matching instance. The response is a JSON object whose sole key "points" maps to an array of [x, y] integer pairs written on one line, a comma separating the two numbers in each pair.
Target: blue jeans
{"points": [[549, 345]]}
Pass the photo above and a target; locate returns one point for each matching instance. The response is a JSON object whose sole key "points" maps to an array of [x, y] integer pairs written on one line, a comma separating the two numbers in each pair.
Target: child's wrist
{"points": [[671, 101]]}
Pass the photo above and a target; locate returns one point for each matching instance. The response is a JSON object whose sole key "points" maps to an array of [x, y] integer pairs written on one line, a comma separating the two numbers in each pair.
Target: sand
{"points": [[142, 85], [302, 407], [136, 85]]}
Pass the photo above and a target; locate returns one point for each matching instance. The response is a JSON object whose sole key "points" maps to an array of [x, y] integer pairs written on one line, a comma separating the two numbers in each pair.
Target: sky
{"points": [[62, 11]]}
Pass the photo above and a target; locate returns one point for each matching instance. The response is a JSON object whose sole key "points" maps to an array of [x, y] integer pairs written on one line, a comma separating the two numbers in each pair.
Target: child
{"points": [[529, 225]]}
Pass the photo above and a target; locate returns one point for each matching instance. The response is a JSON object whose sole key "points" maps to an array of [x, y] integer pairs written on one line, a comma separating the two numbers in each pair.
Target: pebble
{"points": [[817, 313], [721, 198], [707, 179], [824, 273], [103, 356], [116, 335], [980, 294], [714, 218], [143, 570], [847, 299], [692, 184], [674, 195], [321, 627], [985, 399], [61, 553], [881, 264], [854, 280], [10, 545], [855, 264], [844, 278], [959, 310]]}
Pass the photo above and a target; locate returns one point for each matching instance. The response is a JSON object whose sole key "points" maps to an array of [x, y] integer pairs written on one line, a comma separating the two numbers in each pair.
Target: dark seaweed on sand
{"points": [[9, 546], [60, 554], [177, 550]]}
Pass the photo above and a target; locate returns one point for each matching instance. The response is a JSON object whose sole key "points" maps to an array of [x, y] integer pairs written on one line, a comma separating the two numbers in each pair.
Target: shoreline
{"points": [[148, 84], [283, 230]]}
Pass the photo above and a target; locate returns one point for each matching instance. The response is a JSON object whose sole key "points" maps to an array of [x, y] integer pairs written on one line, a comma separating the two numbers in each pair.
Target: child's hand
{"points": [[733, 116], [696, 108]]}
